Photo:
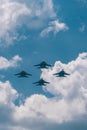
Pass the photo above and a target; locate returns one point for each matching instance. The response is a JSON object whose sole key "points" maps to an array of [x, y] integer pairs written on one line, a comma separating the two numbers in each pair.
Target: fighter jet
{"points": [[43, 65], [62, 73], [41, 82], [23, 74]]}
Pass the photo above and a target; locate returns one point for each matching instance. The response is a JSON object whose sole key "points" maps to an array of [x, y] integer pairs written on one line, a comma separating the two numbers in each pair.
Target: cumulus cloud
{"points": [[55, 27], [5, 63], [10, 12], [7, 96], [7, 93], [77, 77], [71, 90], [34, 14], [68, 104]]}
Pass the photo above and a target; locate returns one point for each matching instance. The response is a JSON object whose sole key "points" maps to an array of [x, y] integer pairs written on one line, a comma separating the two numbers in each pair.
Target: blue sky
{"points": [[33, 31]]}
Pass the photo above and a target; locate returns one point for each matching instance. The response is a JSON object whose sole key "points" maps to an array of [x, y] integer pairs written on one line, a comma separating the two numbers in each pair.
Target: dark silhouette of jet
{"points": [[62, 73], [23, 74], [43, 65], [41, 82]]}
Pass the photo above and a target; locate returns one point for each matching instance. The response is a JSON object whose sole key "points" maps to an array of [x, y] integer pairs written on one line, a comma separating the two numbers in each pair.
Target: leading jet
{"points": [[23, 74], [41, 82], [43, 65], [62, 73]]}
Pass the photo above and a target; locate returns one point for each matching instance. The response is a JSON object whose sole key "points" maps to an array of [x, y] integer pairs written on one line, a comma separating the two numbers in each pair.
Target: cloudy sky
{"points": [[32, 31]]}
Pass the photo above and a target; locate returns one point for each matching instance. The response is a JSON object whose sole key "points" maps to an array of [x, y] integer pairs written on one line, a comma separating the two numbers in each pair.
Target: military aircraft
{"points": [[62, 73], [41, 82], [43, 65], [23, 74]]}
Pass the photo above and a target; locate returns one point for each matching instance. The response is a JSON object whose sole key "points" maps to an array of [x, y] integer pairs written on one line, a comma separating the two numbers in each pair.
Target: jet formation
{"points": [[23, 74], [43, 65], [41, 82], [62, 73]]}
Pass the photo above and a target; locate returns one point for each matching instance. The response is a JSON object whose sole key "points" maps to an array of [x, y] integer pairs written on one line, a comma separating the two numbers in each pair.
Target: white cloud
{"points": [[38, 112], [5, 63], [34, 14], [7, 107], [71, 90], [55, 27], [10, 12], [42, 9], [77, 78], [7, 93]]}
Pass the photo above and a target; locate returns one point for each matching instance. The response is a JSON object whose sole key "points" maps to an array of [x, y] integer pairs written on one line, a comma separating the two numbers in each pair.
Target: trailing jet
{"points": [[23, 74], [62, 73], [43, 65], [41, 82]]}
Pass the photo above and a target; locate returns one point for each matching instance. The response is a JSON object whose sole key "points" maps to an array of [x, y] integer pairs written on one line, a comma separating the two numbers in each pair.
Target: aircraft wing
{"points": [[46, 82], [28, 74], [67, 74], [22, 76], [36, 82], [40, 84], [60, 76], [48, 65], [42, 67], [17, 74], [37, 65], [56, 74]]}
